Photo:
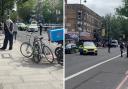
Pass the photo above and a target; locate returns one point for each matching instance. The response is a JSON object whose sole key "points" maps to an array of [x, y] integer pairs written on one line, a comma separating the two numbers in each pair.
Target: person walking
{"points": [[40, 27], [8, 28], [122, 48], [15, 30], [127, 48], [109, 47]]}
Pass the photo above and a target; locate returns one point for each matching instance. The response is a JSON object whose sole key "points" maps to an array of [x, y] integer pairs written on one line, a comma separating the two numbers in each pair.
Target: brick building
{"points": [[80, 18]]}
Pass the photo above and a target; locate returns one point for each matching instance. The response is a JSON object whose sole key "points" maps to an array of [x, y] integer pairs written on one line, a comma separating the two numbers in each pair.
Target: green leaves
{"points": [[123, 10], [25, 9], [116, 26], [52, 11]]}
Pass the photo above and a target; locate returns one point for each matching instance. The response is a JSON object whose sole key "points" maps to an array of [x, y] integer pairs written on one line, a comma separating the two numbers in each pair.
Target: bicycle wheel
{"points": [[26, 49], [36, 54], [48, 54], [59, 52]]}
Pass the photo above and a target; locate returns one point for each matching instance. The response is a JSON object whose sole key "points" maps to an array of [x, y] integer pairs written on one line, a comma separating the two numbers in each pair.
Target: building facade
{"points": [[80, 18]]}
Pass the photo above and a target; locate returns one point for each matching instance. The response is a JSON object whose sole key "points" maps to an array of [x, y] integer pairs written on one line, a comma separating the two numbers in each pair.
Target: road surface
{"points": [[104, 71]]}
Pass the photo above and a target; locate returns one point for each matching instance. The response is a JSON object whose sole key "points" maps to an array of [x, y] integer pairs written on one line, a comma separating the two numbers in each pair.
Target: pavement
{"points": [[18, 72]]}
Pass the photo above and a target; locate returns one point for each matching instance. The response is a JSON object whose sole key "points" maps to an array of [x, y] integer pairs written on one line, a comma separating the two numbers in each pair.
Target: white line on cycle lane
{"points": [[92, 67]]}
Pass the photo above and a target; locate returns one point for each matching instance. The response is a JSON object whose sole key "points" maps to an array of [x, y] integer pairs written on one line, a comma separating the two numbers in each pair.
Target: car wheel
{"points": [[71, 51], [74, 51], [68, 51], [96, 54]]}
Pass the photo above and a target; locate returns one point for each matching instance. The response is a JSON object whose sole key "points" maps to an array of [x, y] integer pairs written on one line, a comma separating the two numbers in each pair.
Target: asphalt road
{"points": [[98, 74]]}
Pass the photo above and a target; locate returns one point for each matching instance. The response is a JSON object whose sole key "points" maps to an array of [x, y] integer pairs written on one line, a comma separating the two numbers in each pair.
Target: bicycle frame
{"points": [[29, 41]]}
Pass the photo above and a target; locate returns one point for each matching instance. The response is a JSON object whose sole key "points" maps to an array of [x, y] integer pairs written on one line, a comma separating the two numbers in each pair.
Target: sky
{"points": [[101, 7]]}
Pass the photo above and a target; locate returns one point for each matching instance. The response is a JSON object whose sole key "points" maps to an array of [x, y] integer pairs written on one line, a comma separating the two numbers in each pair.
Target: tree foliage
{"points": [[25, 10], [116, 27], [123, 10], [53, 10], [50, 11], [6, 5]]}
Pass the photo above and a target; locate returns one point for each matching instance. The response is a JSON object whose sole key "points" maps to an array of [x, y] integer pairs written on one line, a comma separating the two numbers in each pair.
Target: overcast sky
{"points": [[101, 7]]}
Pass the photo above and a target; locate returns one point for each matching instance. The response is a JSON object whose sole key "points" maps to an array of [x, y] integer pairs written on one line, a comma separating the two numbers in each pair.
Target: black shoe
{"points": [[2, 48], [10, 48]]}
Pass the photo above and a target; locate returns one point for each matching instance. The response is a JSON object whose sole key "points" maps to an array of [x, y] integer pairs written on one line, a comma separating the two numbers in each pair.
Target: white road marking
{"points": [[92, 67]]}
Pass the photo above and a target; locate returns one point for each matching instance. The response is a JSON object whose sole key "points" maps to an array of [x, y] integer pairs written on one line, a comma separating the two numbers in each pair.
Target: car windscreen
{"points": [[114, 42], [88, 44]]}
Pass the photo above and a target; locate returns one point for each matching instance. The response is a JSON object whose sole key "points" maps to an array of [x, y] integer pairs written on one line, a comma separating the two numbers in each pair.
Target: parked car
{"points": [[88, 47], [114, 43], [33, 27], [22, 26], [70, 48]]}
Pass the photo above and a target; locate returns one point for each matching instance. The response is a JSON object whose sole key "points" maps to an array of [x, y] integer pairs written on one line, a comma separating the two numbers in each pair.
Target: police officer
{"points": [[8, 30]]}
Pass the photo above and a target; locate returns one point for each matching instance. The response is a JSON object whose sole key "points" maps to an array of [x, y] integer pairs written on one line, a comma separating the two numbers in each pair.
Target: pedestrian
{"points": [[109, 47], [127, 48], [8, 28], [15, 30], [122, 48], [40, 27]]}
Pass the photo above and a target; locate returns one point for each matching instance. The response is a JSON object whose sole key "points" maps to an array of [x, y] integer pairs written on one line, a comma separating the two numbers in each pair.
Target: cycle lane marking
{"points": [[92, 67], [122, 82]]}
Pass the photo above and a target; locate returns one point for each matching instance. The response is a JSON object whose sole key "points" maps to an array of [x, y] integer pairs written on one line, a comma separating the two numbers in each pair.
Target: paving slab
{"points": [[18, 72]]}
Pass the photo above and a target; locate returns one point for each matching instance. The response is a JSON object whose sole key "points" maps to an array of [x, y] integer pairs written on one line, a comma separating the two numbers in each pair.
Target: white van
{"points": [[33, 27], [114, 43]]}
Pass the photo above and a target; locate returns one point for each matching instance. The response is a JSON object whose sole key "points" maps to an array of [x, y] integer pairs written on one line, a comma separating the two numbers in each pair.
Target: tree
{"points": [[25, 9], [115, 26], [7, 6], [52, 10], [123, 10]]}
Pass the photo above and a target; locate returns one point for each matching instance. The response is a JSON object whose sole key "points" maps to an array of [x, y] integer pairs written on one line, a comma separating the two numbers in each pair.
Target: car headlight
{"points": [[95, 49]]}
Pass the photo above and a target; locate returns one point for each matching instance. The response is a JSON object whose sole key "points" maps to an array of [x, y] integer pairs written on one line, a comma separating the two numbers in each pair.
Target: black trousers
{"points": [[8, 38], [40, 31]]}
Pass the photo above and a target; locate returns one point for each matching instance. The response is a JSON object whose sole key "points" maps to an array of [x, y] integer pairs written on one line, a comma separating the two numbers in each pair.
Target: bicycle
{"points": [[59, 53], [34, 51], [40, 50], [26, 48]]}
